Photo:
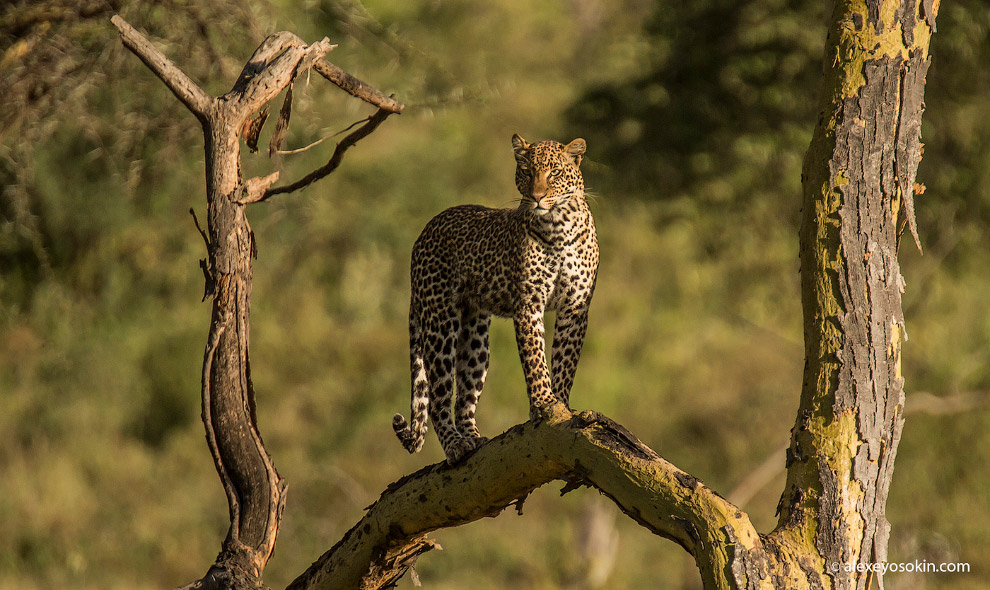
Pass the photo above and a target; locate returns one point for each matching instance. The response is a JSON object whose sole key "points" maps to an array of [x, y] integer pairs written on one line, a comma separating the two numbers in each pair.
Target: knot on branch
{"points": [[234, 569], [687, 481], [254, 189]]}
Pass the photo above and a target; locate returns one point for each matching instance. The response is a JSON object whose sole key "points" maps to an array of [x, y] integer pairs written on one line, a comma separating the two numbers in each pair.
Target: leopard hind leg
{"points": [[440, 335], [472, 368]]}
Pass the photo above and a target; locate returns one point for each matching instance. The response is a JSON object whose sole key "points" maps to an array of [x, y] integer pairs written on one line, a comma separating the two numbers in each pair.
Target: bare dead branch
{"points": [[309, 146], [271, 47], [254, 489], [357, 88], [181, 85], [338, 155], [279, 59], [322, 139]]}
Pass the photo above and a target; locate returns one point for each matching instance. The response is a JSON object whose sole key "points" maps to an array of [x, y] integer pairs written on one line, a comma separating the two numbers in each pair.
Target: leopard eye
{"points": [[556, 172]]}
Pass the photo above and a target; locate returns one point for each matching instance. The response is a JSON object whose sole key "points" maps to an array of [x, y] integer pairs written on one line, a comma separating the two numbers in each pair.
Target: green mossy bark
{"points": [[585, 449], [857, 180]]}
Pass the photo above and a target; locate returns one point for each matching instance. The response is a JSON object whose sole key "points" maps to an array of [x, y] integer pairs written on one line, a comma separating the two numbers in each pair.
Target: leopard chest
{"points": [[574, 278], [560, 273]]}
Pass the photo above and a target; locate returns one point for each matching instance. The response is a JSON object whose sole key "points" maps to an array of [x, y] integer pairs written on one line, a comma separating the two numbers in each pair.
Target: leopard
{"points": [[472, 262]]}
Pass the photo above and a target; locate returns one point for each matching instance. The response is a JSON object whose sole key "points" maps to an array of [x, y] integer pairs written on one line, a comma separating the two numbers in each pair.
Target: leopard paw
{"points": [[462, 447]]}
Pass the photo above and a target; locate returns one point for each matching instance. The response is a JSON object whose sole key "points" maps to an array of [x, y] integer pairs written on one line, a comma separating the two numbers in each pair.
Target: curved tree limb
{"points": [[338, 155], [584, 447]]}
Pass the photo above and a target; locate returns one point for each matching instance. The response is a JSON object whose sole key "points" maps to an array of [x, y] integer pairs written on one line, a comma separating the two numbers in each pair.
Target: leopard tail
{"points": [[412, 436]]}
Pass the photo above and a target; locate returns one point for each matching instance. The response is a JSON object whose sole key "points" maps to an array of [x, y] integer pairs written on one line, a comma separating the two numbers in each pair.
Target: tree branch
{"points": [[584, 447], [181, 85], [338, 155], [357, 88], [280, 58]]}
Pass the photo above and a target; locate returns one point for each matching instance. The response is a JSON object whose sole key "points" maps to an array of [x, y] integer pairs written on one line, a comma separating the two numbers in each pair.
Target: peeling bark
{"points": [[858, 179]]}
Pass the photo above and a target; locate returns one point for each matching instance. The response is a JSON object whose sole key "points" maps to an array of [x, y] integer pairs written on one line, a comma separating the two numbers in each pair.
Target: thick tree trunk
{"points": [[253, 487], [858, 193]]}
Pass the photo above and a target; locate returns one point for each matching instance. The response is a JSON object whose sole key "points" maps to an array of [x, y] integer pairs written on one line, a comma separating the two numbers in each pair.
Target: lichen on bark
{"points": [[858, 182]]}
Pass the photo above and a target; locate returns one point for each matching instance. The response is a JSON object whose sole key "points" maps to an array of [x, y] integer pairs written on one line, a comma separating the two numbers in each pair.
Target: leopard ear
{"points": [[520, 147], [576, 150]]}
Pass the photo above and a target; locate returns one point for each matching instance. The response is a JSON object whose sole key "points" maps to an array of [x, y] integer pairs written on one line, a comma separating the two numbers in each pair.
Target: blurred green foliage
{"points": [[697, 117]]}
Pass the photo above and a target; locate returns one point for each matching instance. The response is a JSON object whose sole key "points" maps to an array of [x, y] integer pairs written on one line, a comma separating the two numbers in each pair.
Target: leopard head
{"points": [[548, 173]]}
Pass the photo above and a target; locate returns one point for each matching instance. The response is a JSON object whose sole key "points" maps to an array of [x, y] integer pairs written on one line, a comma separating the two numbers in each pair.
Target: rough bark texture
{"points": [[858, 180], [255, 491]]}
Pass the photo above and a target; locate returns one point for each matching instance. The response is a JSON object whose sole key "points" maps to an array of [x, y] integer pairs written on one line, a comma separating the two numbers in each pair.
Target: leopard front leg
{"points": [[568, 339], [531, 340]]}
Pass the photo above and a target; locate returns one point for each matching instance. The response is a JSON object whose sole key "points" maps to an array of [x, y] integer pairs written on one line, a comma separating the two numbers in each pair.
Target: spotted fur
{"points": [[471, 262]]}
